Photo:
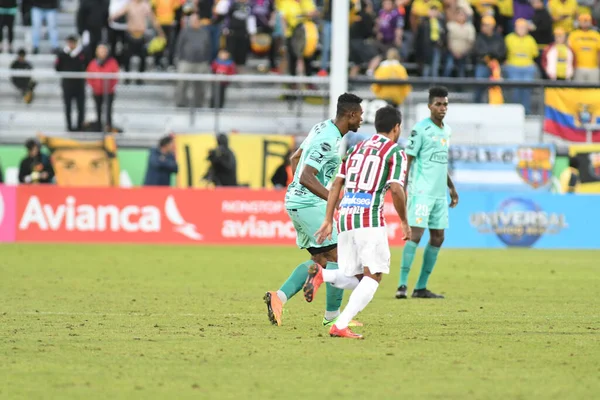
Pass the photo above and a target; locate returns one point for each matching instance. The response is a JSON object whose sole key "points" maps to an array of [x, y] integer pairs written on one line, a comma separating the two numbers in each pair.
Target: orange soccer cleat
{"points": [[313, 282], [346, 333], [274, 307]]}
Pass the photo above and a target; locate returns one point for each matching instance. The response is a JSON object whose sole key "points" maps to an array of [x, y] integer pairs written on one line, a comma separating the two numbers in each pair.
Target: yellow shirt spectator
{"points": [[485, 7], [505, 7], [165, 10], [563, 13], [585, 45], [391, 69], [520, 50], [292, 10], [420, 8]]}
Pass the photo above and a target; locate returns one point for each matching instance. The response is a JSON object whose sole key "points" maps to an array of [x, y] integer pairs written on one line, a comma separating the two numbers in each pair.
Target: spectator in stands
{"points": [[489, 46], [541, 30], [390, 25], [265, 14], [223, 165], [430, 43], [585, 43], [364, 51], [283, 175], [563, 13], [36, 166], [72, 59], [420, 10], [44, 10], [24, 84], [522, 51], [161, 163], [103, 90], [165, 12], [223, 65], [26, 22], [326, 37], [8, 11], [391, 68], [295, 12], [461, 39], [241, 25], [116, 30], [193, 53], [558, 59], [92, 21], [505, 16], [138, 13], [205, 10], [522, 10]]}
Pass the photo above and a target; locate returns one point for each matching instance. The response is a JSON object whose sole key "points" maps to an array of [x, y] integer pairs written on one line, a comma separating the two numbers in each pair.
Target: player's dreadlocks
{"points": [[437, 91], [347, 103]]}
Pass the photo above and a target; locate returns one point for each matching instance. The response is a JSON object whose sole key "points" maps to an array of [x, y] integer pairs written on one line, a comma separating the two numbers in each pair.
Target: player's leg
{"points": [[373, 252], [275, 300], [438, 221], [418, 218], [346, 253]]}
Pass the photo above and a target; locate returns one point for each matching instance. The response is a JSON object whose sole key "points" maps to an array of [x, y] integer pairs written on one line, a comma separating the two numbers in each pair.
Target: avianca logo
{"points": [[101, 218]]}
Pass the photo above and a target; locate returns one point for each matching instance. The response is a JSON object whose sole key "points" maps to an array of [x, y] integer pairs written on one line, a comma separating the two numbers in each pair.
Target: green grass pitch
{"points": [[128, 322]]}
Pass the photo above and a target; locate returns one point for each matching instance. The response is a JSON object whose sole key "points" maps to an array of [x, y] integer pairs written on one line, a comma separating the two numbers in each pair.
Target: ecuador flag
{"points": [[567, 110]]}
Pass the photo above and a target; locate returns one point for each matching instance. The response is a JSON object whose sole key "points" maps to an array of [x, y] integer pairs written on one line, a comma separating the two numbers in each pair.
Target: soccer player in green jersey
{"points": [[314, 165], [427, 153]]}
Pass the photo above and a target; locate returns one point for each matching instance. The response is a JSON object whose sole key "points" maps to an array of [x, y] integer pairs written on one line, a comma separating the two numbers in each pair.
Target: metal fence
{"points": [[259, 103]]}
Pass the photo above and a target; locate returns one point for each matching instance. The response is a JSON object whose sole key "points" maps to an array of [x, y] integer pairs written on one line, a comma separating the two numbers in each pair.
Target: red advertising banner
{"points": [[159, 215]]}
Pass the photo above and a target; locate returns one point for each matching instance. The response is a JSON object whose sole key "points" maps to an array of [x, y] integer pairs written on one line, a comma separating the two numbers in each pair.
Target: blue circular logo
{"points": [[518, 223]]}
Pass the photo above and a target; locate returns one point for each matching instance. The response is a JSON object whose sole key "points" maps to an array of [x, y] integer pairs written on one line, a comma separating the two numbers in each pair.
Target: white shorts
{"points": [[364, 247]]}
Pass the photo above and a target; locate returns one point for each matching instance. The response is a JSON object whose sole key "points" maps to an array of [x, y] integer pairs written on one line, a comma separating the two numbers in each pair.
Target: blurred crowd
{"points": [[516, 39]]}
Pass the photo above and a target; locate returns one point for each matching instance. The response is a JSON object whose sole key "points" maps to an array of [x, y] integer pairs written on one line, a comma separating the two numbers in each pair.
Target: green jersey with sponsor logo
{"points": [[428, 144], [320, 150]]}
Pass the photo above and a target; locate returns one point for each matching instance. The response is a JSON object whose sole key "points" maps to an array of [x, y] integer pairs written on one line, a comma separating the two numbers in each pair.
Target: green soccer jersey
{"points": [[320, 150], [428, 144]]}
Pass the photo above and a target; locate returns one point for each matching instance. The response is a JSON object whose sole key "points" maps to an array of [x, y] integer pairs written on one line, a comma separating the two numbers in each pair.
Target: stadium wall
{"points": [[257, 217]]}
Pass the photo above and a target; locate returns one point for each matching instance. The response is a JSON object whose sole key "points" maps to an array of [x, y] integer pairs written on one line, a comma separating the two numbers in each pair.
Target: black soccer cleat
{"points": [[425, 294], [401, 293]]}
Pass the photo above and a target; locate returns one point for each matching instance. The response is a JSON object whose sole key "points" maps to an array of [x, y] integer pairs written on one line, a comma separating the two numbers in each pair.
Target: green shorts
{"points": [[307, 222], [427, 212]]}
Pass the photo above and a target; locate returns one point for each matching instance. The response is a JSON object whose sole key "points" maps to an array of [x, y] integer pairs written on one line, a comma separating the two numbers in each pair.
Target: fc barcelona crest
{"points": [[534, 165]]}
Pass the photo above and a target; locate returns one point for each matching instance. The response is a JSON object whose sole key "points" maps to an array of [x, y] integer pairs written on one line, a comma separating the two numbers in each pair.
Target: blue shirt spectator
{"points": [[161, 163]]}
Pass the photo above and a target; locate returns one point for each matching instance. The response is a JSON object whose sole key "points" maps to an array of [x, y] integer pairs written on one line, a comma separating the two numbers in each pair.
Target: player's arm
{"points": [[453, 193], [398, 169], [318, 156], [326, 228], [295, 159]]}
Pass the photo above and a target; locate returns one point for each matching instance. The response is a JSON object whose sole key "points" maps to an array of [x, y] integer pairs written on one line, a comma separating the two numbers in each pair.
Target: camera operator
{"points": [[223, 166], [36, 166]]}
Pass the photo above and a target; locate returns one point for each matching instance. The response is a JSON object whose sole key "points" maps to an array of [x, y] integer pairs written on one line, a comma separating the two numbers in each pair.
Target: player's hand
{"points": [[406, 231], [324, 232], [453, 198]]}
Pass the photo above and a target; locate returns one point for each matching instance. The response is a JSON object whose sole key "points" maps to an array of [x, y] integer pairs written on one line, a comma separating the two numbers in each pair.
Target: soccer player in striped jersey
{"points": [[314, 165], [428, 185], [372, 167]]}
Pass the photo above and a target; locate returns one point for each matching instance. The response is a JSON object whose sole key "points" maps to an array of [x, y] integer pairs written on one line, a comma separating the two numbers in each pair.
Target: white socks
{"points": [[337, 278], [282, 296], [360, 297]]}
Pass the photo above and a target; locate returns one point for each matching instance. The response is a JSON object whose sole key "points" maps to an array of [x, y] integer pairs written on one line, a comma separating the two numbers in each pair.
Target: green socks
{"points": [[334, 295], [429, 259], [296, 280], [408, 256]]}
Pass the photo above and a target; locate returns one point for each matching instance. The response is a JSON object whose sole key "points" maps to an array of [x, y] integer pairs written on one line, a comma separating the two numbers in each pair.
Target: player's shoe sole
{"points": [[313, 282], [344, 333], [274, 316]]}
